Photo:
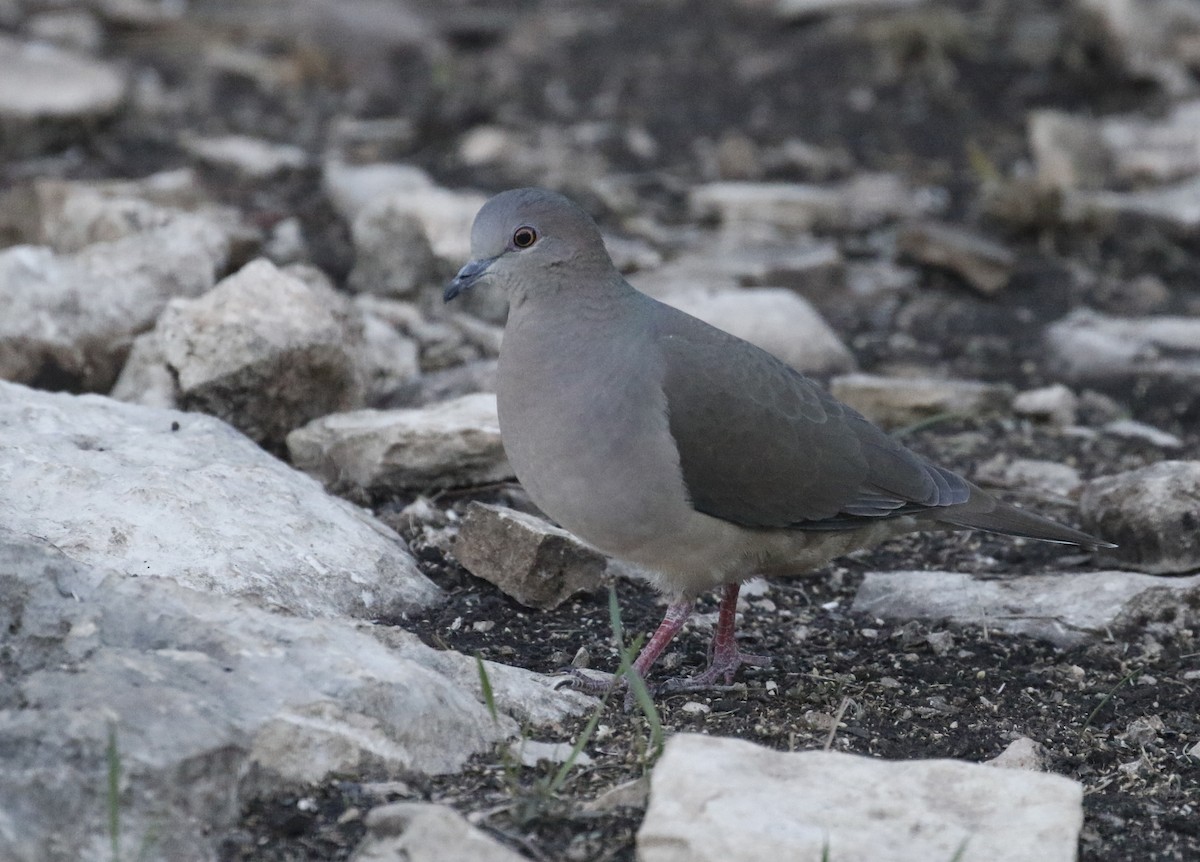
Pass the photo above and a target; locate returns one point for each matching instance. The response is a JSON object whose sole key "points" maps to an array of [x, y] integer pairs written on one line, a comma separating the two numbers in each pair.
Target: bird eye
{"points": [[524, 237]]}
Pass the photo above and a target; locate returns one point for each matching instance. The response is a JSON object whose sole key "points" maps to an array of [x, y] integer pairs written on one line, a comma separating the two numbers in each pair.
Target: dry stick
{"points": [[837, 719]]}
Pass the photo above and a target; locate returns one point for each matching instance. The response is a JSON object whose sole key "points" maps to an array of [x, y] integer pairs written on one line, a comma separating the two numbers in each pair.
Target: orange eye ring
{"points": [[524, 237]]}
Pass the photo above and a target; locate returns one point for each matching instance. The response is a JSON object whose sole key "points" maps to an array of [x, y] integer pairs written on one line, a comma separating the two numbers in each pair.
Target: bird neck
{"points": [[572, 292]]}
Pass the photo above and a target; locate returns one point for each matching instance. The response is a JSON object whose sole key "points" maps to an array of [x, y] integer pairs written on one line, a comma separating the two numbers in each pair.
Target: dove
{"points": [[684, 450]]}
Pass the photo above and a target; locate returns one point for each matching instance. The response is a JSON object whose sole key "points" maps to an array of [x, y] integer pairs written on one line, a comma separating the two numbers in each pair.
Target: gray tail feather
{"points": [[985, 512]]}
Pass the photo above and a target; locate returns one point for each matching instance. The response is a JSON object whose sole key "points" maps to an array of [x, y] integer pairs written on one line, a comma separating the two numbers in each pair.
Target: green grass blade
{"points": [[560, 777], [1112, 691], [485, 685], [112, 755], [637, 685], [614, 619]]}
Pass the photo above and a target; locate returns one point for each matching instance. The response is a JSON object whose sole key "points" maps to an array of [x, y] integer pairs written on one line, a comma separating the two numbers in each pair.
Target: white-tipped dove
{"points": [[668, 443]]}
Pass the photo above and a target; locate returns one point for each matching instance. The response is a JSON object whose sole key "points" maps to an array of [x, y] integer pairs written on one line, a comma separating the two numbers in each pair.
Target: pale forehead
{"points": [[537, 207]]}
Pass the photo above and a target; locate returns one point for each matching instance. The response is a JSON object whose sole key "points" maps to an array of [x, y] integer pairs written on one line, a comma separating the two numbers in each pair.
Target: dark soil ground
{"points": [[940, 94], [1117, 715]]}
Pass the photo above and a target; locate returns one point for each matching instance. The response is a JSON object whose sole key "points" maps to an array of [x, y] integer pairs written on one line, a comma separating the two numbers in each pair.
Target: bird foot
{"points": [[593, 682], [724, 666], [598, 684]]}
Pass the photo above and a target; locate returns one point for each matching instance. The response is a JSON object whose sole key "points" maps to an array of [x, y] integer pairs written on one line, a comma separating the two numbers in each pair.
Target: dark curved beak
{"points": [[466, 278]]}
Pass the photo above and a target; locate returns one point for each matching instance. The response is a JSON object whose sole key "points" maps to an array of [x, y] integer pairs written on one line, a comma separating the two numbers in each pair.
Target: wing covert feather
{"points": [[763, 446]]}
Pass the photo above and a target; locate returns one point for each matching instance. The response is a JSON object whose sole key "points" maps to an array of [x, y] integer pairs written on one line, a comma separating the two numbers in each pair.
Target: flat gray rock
{"points": [[717, 264], [1049, 480], [265, 351], [982, 263], [1175, 207], [777, 320], [209, 703], [1088, 347], [1131, 429], [69, 215], [424, 832], [528, 558], [251, 158], [163, 494], [42, 88], [446, 445], [392, 254], [1065, 609], [901, 401], [443, 214], [350, 187], [729, 800], [769, 210], [1151, 513], [74, 315], [799, 10], [1086, 151], [1055, 404]]}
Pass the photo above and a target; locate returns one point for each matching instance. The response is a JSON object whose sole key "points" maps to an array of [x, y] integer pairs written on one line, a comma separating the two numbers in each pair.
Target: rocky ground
{"points": [[977, 221]]}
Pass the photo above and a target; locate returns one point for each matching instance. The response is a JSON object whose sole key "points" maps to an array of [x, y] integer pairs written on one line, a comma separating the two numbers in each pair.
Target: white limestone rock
{"points": [[1152, 513], [1066, 608], [351, 187], [210, 703], [425, 832], [1055, 404], [451, 444], [713, 263], [163, 494], [1048, 479], [1086, 347], [536, 563], [901, 401], [730, 800], [771, 210], [983, 264], [69, 215], [70, 318], [249, 157], [47, 94], [777, 320], [264, 351], [393, 256]]}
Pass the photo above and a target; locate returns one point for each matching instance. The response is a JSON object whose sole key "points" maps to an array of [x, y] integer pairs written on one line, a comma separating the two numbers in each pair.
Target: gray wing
{"points": [[761, 445]]}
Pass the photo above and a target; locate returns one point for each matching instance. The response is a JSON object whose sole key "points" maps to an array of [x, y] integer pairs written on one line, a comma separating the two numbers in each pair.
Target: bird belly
{"points": [[597, 469], [589, 439], [591, 444]]}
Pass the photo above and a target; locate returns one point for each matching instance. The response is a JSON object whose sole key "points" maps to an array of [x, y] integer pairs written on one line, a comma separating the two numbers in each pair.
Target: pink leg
{"points": [[725, 658], [677, 614]]}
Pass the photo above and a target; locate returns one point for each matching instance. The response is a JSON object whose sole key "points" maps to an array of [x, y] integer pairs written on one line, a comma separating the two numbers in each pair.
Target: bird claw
{"points": [[718, 676], [724, 666], [599, 684], [596, 683]]}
